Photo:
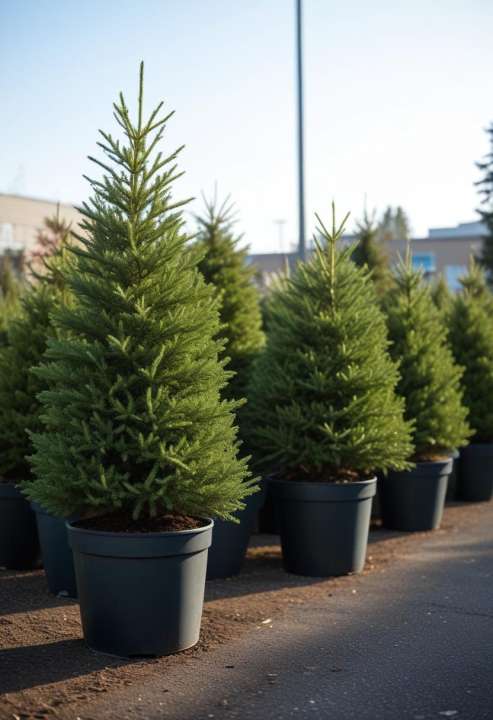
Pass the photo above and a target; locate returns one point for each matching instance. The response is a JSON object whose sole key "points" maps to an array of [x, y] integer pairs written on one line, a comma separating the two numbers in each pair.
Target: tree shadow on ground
{"points": [[25, 591], [33, 665]]}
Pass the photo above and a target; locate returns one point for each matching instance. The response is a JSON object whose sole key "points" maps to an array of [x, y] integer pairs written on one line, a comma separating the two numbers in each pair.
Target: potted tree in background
{"points": [[430, 386], [442, 297], [324, 414], [138, 441], [471, 337], [223, 264], [20, 412], [371, 252]]}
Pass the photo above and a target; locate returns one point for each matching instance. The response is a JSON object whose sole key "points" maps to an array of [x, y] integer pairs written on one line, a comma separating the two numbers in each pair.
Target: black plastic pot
{"points": [[141, 593], [58, 560], [476, 480], [413, 500], [230, 540], [19, 544], [375, 505], [324, 526], [268, 520], [453, 478]]}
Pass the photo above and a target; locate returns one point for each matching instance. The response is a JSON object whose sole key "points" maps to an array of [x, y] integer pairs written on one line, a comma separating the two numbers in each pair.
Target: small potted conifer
{"points": [[47, 292], [430, 385], [442, 297], [471, 337], [223, 264], [323, 413], [137, 440], [19, 410]]}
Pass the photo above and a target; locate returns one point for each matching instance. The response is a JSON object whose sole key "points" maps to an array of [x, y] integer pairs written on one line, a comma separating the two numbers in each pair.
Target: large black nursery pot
{"points": [[19, 544], [58, 560], [413, 500], [230, 540], [268, 520], [476, 480], [140, 594], [453, 478], [324, 526]]}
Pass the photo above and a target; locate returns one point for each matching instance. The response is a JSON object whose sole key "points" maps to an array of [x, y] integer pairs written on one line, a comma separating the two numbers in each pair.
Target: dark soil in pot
{"points": [[476, 480], [58, 561], [140, 593], [19, 544], [324, 526], [413, 500], [230, 540]]}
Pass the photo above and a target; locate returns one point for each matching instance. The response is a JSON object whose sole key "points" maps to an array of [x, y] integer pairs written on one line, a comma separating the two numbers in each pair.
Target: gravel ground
{"points": [[411, 637]]}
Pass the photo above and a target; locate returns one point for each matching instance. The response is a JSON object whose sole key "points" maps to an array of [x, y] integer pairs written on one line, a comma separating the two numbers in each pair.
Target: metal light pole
{"points": [[301, 159]]}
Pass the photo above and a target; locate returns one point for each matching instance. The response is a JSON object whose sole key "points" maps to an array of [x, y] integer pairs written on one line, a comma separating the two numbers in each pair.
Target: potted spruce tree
{"points": [[223, 264], [19, 544], [20, 412], [370, 251], [46, 266], [430, 385], [442, 297], [471, 337], [324, 414], [137, 440]]}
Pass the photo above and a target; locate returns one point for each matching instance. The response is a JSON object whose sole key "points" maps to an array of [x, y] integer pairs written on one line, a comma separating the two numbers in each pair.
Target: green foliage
{"points": [[370, 252], [394, 225], [26, 342], [323, 391], [134, 419], [471, 337], [430, 379], [27, 336], [224, 265], [10, 293], [441, 295], [486, 212]]}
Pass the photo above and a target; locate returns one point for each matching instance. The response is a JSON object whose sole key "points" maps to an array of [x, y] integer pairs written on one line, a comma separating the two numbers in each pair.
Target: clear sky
{"points": [[398, 93]]}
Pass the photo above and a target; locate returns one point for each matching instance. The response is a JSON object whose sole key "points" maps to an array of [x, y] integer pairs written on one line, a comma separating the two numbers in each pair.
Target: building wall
{"points": [[445, 251], [22, 217]]}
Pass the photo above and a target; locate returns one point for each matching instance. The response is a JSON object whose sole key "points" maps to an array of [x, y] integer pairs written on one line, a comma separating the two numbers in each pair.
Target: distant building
{"points": [[445, 251], [22, 217]]}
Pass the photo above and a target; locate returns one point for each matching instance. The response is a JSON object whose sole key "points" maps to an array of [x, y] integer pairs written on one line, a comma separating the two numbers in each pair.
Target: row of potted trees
{"points": [[117, 367]]}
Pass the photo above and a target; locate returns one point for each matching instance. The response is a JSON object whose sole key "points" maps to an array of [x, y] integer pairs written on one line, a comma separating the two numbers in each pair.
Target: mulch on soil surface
{"points": [[46, 671], [123, 522]]}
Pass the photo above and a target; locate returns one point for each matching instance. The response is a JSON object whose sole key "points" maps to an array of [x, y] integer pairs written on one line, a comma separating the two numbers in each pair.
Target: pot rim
{"points": [[139, 535], [322, 483]]}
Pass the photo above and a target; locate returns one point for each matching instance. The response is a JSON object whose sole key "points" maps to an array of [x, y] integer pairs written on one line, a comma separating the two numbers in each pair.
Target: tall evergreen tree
{"points": [[471, 338], [430, 379], [370, 252], [223, 264], [486, 211], [143, 430], [323, 391]]}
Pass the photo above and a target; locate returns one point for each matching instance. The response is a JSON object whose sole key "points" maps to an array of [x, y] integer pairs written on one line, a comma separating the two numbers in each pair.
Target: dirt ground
{"points": [[46, 671]]}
